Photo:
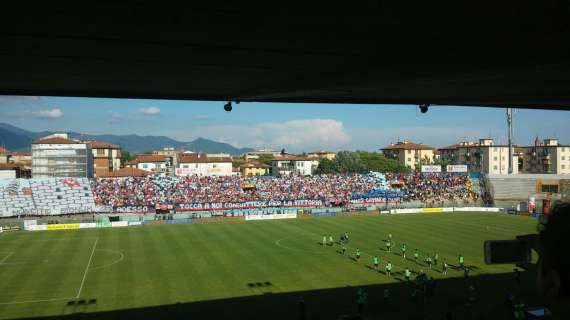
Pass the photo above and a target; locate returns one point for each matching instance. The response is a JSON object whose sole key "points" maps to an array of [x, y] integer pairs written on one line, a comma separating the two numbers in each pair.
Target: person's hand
{"points": [[532, 242]]}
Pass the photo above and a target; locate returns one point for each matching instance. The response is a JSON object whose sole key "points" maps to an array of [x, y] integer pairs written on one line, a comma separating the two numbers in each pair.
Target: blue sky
{"points": [[296, 127]]}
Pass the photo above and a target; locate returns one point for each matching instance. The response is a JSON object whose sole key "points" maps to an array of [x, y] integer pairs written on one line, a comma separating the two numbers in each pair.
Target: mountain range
{"points": [[18, 139]]}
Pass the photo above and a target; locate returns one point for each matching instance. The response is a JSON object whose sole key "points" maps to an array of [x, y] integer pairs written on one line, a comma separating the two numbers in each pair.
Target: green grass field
{"points": [[247, 269]]}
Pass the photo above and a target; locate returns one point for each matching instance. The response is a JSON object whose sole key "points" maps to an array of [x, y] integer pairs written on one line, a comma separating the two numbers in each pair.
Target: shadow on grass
{"points": [[449, 295]]}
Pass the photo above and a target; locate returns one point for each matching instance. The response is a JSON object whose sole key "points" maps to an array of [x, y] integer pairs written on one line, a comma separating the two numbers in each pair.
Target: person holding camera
{"points": [[553, 274]]}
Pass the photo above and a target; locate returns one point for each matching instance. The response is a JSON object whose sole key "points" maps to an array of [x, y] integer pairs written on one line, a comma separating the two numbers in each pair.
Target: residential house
{"points": [[482, 156], [547, 156], [106, 157], [156, 164], [201, 164], [411, 154], [293, 165], [255, 168]]}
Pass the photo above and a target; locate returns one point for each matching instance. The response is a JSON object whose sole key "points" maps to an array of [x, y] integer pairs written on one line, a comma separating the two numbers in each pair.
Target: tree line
{"points": [[360, 162]]}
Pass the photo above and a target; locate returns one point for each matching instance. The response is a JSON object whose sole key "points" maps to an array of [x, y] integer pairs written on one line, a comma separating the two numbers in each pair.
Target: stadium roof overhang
{"points": [[482, 53]]}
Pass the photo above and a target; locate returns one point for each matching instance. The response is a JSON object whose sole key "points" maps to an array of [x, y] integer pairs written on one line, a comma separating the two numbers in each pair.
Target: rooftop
{"points": [[407, 145], [201, 158], [103, 145], [124, 172], [4, 150], [149, 158], [254, 164], [292, 158], [54, 140]]}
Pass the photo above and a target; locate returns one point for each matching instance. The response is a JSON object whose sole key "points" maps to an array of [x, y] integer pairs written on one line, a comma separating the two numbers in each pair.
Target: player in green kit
{"points": [[407, 274], [429, 262], [445, 266], [389, 269], [343, 248], [461, 261], [376, 262], [357, 254], [324, 240], [389, 245], [416, 255], [435, 258], [331, 241], [404, 251]]}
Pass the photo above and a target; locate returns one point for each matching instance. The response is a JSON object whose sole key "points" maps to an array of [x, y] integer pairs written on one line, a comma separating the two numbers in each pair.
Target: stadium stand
{"points": [[521, 186], [15, 197], [62, 196], [145, 194]]}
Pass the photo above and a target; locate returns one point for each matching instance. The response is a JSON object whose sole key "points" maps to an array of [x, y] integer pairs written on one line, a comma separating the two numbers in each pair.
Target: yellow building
{"points": [[410, 154], [322, 155], [254, 168]]}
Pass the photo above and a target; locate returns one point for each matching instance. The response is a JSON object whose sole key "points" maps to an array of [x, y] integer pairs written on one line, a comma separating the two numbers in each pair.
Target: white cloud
{"points": [[150, 111], [115, 117], [45, 114], [294, 135]]}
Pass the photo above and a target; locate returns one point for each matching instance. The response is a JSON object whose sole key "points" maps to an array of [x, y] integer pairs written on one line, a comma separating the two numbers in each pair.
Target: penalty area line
{"points": [[87, 268]]}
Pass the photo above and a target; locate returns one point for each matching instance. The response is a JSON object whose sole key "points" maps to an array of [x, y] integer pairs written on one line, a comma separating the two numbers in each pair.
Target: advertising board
{"points": [[456, 168], [63, 226], [431, 169], [432, 210]]}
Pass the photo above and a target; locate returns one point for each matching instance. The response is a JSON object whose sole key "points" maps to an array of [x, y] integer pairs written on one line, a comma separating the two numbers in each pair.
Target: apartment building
{"points": [[409, 153], [58, 156]]}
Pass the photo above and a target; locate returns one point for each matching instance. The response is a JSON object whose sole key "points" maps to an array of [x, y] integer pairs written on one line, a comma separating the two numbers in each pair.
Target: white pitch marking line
{"points": [[34, 301], [6, 257], [87, 268], [121, 258]]}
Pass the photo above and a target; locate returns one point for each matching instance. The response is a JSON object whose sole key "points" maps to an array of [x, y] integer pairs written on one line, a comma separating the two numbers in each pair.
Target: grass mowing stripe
{"points": [[22, 275], [178, 240], [240, 244], [206, 242]]}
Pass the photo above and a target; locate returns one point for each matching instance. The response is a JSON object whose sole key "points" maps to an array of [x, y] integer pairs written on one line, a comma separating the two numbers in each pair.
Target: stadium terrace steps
{"points": [[38, 196], [510, 188]]}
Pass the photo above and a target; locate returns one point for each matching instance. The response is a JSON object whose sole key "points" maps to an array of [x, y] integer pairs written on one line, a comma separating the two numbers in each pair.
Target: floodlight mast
{"points": [[510, 132]]}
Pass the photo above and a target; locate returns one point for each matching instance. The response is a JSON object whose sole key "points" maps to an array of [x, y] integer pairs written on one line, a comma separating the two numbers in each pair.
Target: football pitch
{"points": [[252, 269]]}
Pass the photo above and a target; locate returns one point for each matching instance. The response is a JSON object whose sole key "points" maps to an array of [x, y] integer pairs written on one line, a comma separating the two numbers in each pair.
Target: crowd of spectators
{"points": [[435, 187], [332, 190]]}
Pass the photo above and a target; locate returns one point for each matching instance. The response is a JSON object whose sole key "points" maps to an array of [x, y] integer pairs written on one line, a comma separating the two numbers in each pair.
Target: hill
{"points": [[15, 138]]}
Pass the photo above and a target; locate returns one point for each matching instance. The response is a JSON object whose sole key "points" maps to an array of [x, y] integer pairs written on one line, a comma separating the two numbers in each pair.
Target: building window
{"points": [[145, 166], [409, 159], [563, 149], [409, 151], [563, 158], [563, 167], [495, 168], [100, 152], [494, 158], [549, 188]]}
